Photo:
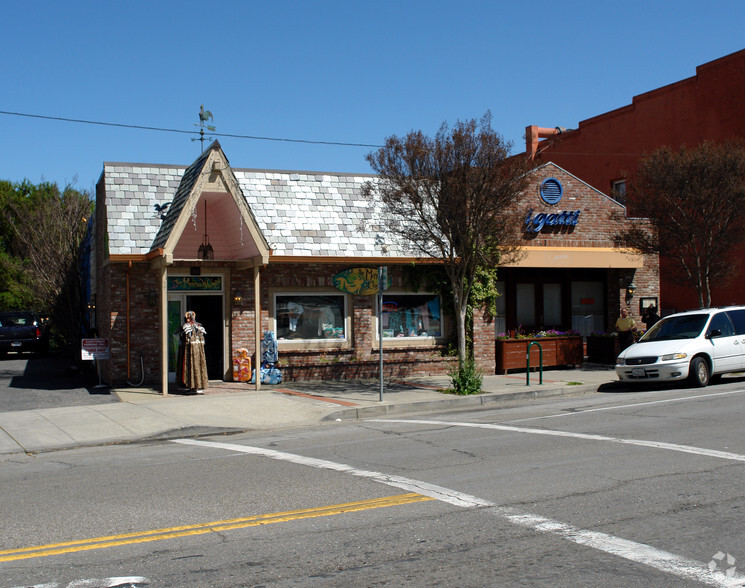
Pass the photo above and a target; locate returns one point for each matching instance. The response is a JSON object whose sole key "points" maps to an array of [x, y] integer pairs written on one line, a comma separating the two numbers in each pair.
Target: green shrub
{"points": [[467, 378]]}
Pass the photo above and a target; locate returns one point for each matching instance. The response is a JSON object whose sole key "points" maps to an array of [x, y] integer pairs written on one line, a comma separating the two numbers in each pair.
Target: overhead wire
{"points": [[251, 137], [195, 132]]}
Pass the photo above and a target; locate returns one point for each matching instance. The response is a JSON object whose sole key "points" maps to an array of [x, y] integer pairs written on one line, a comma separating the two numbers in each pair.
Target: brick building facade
{"points": [[293, 252], [605, 150]]}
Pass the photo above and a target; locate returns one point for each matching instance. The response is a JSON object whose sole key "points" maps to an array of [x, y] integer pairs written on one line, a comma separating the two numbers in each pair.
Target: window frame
{"points": [[309, 344], [416, 341]]}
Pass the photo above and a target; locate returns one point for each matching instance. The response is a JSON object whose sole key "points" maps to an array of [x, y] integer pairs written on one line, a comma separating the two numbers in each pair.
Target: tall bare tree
{"points": [[453, 197], [695, 202]]}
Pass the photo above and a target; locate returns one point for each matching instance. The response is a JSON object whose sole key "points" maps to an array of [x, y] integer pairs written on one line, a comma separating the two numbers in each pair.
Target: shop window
{"points": [[551, 305], [525, 305], [310, 317], [588, 307], [500, 317], [411, 316]]}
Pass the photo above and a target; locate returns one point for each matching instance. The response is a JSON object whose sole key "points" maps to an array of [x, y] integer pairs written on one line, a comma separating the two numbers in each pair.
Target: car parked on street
{"points": [[22, 330], [698, 345]]}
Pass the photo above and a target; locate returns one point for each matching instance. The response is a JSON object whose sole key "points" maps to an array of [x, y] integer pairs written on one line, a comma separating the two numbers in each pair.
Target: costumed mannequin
{"points": [[192, 364]]}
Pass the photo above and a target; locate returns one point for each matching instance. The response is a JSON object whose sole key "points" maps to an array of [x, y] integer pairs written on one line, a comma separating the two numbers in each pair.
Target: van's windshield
{"points": [[676, 327]]}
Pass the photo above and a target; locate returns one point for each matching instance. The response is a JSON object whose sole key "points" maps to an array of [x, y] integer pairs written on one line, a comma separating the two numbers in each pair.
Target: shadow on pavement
{"points": [[29, 383], [55, 372], [623, 387]]}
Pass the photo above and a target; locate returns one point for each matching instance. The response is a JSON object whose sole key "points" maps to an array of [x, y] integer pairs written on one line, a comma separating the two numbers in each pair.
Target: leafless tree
{"points": [[694, 200], [453, 197]]}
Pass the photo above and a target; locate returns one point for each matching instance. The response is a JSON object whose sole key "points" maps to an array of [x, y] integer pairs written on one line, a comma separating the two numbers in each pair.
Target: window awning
{"points": [[579, 257]]}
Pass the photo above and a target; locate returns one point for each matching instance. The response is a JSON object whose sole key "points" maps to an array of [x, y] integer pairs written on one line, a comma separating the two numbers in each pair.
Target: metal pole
{"points": [[380, 326]]}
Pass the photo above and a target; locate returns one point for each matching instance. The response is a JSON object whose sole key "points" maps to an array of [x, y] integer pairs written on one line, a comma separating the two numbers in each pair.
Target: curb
{"points": [[456, 403]]}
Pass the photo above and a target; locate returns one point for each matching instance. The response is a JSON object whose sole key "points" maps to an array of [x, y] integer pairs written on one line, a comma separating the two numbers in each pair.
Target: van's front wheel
{"points": [[699, 372]]}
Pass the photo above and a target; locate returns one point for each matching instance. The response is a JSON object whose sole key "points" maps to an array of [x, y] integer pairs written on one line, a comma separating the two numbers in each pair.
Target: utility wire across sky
{"points": [[164, 130], [235, 136]]}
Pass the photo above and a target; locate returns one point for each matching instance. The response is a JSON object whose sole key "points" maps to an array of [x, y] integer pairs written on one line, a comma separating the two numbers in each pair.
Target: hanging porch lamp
{"points": [[205, 249]]}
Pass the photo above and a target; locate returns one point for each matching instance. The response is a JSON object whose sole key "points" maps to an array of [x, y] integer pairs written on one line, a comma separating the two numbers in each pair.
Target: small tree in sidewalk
{"points": [[453, 197]]}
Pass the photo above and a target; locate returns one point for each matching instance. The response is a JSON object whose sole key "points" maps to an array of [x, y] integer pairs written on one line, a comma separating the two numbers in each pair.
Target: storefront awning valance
{"points": [[578, 257]]}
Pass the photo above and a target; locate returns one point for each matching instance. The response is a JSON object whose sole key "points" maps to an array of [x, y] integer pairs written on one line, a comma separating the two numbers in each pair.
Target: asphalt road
{"points": [[28, 382], [629, 489]]}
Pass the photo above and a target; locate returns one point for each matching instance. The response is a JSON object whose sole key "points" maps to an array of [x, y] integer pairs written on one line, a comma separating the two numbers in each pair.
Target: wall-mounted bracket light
{"points": [[630, 291]]}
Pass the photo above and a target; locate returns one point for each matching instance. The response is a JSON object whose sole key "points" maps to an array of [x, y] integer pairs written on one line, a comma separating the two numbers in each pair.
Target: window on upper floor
{"points": [[618, 190]]}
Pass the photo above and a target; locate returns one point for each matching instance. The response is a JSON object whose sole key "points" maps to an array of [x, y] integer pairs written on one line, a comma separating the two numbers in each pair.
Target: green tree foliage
{"points": [[694, 202], [454, 198], [42, 232]]}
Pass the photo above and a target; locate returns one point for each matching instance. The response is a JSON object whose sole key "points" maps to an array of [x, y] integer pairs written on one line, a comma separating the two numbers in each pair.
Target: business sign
{"points": [[360, 280], [566, 219], [94, 349]]}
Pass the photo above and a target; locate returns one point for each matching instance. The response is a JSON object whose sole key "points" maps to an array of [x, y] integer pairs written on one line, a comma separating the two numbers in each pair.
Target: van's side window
{"points": [[721, 323], [738, 319]]}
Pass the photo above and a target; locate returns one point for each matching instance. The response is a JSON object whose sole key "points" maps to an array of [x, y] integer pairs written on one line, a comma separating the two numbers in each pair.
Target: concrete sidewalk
{"points": [[144, 413]]}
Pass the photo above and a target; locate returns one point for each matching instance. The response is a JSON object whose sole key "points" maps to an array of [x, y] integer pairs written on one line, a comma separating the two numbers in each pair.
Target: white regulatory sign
{"points": [[94, 349]]}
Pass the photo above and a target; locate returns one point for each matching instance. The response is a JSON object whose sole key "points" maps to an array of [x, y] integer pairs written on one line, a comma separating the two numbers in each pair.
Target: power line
{"points": [[164, 130]]}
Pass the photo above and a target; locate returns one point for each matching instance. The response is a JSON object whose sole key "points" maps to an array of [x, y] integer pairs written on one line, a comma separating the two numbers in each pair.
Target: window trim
{"points": [[417, 341], [310, 344]]}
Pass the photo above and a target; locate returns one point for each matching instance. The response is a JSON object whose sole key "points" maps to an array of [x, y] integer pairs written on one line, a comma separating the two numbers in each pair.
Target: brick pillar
{"points": [[362, 327], [484, 343]]}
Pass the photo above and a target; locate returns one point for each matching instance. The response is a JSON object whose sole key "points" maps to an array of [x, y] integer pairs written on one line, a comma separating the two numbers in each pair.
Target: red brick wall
{"points": [[706, 107], [599, 219], [358, 361], [144, 324]]}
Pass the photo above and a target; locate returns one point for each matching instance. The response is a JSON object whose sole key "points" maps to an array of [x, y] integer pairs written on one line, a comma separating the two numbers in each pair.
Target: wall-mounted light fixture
{"points": [[630, 291], [238, 298], [152, 298]]}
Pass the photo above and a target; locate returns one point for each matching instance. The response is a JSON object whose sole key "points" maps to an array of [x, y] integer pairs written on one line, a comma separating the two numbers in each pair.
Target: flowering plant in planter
{"points": [[603, 334], [549, 333]]}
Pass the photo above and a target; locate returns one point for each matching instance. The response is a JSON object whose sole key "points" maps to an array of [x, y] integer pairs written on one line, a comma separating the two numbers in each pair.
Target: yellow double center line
{"points": [[202, 528]]}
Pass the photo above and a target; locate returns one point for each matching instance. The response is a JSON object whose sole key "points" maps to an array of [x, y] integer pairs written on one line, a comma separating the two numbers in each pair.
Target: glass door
{"points": [[203, 295]]}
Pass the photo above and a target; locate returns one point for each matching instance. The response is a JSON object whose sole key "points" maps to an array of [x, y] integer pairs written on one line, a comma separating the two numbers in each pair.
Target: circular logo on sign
{"points": [[551, 191]]}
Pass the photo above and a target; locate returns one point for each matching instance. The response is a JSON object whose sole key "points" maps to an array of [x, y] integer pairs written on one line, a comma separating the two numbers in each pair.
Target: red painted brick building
{"points": [[296, 253], [604, 150]]}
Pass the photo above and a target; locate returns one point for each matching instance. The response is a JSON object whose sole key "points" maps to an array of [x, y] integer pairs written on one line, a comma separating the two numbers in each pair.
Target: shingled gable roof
{"points": [[301, 214], [210, 178]]}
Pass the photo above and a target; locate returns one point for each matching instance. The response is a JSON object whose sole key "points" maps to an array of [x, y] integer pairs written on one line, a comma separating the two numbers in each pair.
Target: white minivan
{"points": [[699, 345]]}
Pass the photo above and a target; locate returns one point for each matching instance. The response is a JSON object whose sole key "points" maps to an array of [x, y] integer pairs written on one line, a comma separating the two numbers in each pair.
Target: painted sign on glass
{"points": [[359, 280]]}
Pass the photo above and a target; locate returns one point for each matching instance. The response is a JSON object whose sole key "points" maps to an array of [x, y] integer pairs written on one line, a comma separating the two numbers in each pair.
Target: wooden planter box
{"points": [[557, 351], [602, 349]]}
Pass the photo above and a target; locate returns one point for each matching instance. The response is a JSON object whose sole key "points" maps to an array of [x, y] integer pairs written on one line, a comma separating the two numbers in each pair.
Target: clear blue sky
{"points": [[338, 71]]}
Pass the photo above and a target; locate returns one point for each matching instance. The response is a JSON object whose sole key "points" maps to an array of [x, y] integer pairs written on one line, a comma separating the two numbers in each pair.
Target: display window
{"points": [[310, 317], [411, 316]]}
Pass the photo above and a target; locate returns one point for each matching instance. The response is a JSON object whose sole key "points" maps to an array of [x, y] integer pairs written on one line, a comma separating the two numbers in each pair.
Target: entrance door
{"points": [[209, 311]]}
